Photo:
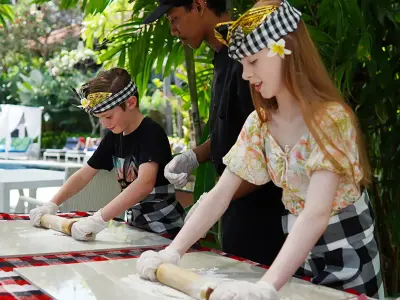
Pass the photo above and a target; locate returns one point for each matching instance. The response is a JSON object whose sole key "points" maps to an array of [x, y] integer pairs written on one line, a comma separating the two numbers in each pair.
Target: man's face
{"points": [[187, 25]]}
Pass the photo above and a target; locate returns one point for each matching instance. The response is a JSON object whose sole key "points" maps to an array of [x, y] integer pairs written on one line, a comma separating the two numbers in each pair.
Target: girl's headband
{"points": [[257, 28]]}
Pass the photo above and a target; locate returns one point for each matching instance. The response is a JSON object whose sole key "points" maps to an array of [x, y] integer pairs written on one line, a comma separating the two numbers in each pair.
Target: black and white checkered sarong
{"points": [[346, 256], [160, 212]]}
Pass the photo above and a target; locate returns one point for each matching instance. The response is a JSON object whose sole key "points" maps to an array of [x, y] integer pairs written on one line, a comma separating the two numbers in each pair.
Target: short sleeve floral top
{"points": [[257, 158]]}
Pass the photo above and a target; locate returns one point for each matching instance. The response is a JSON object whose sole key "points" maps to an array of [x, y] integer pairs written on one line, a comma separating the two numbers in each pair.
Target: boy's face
{"points": [[117, 119], [187, 25], [113, 119]]}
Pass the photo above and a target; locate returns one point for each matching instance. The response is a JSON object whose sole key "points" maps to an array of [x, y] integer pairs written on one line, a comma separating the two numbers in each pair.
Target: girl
{"points": [[305, 139]]}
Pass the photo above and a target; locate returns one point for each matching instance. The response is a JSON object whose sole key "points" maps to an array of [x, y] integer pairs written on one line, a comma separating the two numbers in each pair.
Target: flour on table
{"points": [[153, 288], [41, 233], [209, 272]]}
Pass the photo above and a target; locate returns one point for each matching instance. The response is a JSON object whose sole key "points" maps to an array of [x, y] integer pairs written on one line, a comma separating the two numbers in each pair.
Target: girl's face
{"points": [[264, 72]]}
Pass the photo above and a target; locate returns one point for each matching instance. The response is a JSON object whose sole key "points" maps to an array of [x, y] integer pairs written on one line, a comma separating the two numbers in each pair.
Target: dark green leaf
{"points": [[110, 53], [319, 36], [364, 47], [205, 174], [121, 61], [397, 17]]}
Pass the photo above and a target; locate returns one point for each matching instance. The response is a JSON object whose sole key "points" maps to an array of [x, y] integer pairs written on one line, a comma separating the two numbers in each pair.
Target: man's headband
{"points": [[99, 102], [255, 30]]}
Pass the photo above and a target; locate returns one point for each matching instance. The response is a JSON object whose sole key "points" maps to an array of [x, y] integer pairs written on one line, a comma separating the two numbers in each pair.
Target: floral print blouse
{"points": [[257, 158]]}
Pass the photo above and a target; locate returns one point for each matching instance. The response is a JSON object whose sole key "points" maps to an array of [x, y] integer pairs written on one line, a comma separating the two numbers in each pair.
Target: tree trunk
{"points": [[95, 124], [189, 59], [168, 108], [179, 119], [229, 6]]}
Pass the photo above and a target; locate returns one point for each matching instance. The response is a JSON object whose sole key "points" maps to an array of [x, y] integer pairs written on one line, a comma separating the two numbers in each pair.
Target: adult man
{"points": [[193, 22]]}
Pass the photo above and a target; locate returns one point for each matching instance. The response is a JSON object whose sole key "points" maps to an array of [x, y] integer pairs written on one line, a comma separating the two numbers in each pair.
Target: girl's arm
{"points": [[208, 212], [308, 228]]}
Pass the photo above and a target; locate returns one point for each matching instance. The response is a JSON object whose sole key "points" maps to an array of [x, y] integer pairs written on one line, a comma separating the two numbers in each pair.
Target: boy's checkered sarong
{"points": [[160, 212], [346, 256]]}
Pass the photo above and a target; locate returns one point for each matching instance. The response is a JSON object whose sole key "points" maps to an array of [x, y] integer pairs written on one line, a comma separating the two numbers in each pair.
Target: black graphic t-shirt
{"points": [[159, 212], [125, 153]]}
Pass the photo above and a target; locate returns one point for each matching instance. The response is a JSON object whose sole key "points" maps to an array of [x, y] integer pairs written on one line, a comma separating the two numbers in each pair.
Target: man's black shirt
{"points": [[230, 106]]}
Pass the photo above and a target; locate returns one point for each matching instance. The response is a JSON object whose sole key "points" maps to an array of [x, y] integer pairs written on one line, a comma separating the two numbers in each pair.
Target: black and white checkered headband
{"points": [[278, 24], [114, 100]]}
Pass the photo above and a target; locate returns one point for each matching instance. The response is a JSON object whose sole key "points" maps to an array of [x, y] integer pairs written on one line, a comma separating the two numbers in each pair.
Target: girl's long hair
{"points": [[307, 79]]}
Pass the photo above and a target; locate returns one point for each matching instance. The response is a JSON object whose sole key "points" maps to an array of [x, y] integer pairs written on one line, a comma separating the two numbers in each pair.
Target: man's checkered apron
{"points": [[160, 212], [346, 256]]}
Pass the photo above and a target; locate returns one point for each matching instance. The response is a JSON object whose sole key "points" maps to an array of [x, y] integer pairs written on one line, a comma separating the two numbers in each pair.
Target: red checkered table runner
{"points": [[14, 287]]}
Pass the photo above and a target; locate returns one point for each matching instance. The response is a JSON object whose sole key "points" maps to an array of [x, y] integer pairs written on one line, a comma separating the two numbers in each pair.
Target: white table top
{"points": [[21, 239], [30, 176], [118, 280], [42, 163]]}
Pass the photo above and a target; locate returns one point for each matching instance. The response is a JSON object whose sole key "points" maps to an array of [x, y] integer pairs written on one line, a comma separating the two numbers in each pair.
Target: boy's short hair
{"points": [[218, 7], [111, 81]]}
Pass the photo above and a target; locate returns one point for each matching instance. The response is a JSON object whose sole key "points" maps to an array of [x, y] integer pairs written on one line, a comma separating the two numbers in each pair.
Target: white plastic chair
{"points": [[99, 192]]}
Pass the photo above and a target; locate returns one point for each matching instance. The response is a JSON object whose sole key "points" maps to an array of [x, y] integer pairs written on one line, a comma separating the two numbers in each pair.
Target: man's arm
{"points": [[213, 206], [74, 184], [202, 152], [134, 193], [244, 189]]}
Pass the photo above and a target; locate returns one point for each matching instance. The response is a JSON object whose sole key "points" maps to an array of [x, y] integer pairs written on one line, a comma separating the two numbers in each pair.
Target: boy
{"points": [[137, 147]]}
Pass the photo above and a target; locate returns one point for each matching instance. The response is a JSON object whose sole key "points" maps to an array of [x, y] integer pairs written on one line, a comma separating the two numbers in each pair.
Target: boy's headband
{"points": [[253, 30], [99, 102]]}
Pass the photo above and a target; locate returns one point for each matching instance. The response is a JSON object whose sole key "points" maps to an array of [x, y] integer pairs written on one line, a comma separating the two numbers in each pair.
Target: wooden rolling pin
{"points": [[57, 223], [185, 281]]}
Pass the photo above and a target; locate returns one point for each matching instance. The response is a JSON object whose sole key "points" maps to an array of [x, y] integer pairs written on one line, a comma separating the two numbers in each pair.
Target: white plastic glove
{"points": [[87, 228], [37, 213], [178, 170], [149, 261], [243, 290], [193, 208]]}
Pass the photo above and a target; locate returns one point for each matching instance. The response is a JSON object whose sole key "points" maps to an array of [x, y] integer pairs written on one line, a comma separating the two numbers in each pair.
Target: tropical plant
{"points": [[6, 13], [36, 34], [31, 35], [98, 26], [48, 84]]}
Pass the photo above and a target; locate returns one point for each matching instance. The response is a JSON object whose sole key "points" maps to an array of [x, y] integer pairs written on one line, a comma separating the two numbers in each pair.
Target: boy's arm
{"points": [[74, 184], [134, 193]]}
